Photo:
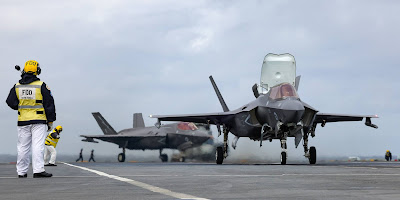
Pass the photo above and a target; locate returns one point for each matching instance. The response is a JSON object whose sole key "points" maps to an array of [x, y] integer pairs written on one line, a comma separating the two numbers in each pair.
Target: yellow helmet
{"points": [[32, 66], [387, 150], [58, 129]]}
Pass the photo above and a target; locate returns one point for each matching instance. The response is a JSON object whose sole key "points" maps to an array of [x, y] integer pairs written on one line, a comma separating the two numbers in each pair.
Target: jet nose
{"points": [[293, 111]]}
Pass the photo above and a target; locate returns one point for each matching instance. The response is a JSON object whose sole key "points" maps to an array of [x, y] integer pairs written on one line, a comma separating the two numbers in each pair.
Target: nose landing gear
{"points": [[284, 150]]}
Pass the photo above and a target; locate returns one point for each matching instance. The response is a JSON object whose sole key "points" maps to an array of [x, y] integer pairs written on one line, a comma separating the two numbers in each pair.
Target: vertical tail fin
{"points": [[104, 125], [221, 100], [138, 121]]}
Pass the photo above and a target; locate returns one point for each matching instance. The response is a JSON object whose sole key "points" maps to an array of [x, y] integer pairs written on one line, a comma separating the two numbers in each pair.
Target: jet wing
{"points": [[117, 139], [328, 117], [208, 118]]}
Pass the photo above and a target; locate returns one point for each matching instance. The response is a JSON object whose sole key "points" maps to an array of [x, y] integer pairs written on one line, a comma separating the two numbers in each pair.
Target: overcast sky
{"points": [[154, 57]]}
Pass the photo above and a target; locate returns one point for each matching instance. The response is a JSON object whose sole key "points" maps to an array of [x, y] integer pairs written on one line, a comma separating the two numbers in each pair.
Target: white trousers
{"points": [[31, 137], [50, 154]]}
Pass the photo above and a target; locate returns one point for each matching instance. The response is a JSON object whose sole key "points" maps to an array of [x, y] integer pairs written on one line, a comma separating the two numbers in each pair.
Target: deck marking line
{"points": [[142, 185]]}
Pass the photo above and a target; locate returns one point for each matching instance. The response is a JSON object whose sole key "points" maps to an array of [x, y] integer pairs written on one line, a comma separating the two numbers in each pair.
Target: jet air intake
{"points": [[285, 111], [292, 111]]}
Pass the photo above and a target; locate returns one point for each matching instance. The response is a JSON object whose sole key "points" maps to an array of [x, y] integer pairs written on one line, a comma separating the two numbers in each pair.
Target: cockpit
{"points": [[187, 126], [282, 91]]}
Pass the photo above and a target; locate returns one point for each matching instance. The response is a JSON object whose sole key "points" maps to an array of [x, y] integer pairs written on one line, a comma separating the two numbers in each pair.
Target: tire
{"points": [[219, 155], [283, 158], [164, 157], [121, 157], [313, 155]]}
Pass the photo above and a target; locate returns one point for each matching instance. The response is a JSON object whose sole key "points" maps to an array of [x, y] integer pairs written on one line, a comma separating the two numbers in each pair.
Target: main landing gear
{"points": [[222, 152], [311, 153], [121, 156], [163, 157]]}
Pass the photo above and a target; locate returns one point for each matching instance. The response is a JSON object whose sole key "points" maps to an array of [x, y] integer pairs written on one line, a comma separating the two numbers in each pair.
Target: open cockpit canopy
{"points": [[277, 69]]}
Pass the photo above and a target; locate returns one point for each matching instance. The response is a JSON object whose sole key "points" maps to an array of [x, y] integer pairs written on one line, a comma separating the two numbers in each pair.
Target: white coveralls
{"points": [[50, 154], [32, 135]]}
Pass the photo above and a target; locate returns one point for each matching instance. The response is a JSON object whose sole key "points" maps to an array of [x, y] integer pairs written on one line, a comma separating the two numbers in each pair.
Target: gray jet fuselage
{"points": [[248, 120], [166, 137], [181, 136]]}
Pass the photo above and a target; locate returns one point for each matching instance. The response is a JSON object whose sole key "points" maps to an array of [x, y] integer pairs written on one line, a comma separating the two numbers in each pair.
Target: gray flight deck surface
{"points": [[330, 180]]}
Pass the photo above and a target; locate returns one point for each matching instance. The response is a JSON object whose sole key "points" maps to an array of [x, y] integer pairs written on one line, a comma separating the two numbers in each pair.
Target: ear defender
{"points": [[39, 70]]}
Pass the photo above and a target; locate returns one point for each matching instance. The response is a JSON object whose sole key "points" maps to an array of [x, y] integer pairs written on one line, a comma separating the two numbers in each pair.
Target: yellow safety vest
{"points": [[51, 141], [30, 105]]}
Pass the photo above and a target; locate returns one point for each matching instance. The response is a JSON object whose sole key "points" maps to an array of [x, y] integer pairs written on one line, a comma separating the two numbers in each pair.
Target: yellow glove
{"points": [[49, 126]]}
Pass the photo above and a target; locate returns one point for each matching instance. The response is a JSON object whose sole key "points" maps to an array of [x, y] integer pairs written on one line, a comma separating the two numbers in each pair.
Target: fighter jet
{"points": [[181, 136], [276, 113]]}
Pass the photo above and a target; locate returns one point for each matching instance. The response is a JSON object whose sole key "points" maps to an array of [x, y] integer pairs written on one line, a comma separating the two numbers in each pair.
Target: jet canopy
{"points": [[277, 69], [282, 91], [187, 126]]}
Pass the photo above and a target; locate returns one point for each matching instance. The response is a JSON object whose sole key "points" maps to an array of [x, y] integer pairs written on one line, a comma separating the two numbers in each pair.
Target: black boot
{"points": [[50, 164], [42, 175], [23, 176]]}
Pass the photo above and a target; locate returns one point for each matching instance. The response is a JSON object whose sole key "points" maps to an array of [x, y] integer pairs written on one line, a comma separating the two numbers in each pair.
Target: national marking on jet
{"points": [[181, 136], [277, 113]]}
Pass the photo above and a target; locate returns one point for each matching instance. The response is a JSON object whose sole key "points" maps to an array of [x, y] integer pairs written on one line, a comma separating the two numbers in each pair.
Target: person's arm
{"points": [[55, 135], [12, 100], [48, 103]]}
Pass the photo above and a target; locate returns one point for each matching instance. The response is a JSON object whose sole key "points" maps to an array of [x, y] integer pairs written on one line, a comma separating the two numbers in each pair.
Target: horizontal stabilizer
{"points": [[89, 140]]}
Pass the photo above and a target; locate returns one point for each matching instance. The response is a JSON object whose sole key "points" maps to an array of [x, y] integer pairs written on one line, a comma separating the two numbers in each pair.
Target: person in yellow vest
{"points": [[388, 155], [36, 114], [51, 141]]}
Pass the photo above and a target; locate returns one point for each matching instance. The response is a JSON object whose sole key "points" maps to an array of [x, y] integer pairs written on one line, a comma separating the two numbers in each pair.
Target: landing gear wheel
{"points": [[283, 158], [219, 155], [121, 157], [313, 155], [164, 157], [182, 159]]}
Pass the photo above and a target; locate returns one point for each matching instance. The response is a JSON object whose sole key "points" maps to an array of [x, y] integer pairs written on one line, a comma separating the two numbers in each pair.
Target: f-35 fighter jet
{"points": [[276, 113], [181, 136]]}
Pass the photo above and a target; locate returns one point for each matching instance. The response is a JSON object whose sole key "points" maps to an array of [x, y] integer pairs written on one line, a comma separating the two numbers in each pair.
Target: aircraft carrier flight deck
{"points": [[330, 180]]}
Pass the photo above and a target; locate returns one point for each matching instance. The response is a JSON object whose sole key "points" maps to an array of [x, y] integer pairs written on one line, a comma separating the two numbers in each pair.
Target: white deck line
{"points": [[142, 185]]}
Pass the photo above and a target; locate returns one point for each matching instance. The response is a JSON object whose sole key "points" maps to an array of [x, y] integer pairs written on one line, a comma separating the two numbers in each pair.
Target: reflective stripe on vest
{"points": [[50, 140], [28, 86], [30, 105], [20, 107]]}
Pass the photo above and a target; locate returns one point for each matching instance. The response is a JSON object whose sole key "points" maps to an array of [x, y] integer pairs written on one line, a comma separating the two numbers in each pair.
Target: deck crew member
{"points": [[36, 114], [92, 156], [388, 156], [80, 156], [51, 141]]}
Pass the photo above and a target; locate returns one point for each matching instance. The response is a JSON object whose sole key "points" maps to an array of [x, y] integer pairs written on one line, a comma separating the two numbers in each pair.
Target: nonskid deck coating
{"points": [[339, 180]]}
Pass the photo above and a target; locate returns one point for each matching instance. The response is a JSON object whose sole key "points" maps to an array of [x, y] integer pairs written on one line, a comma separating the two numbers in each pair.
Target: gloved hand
{"points": [[49, 126]]}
